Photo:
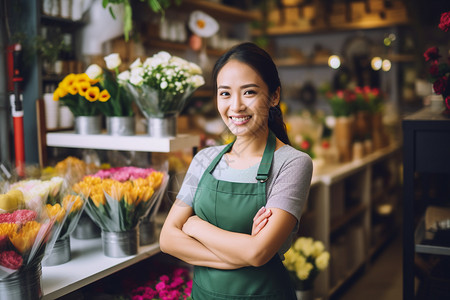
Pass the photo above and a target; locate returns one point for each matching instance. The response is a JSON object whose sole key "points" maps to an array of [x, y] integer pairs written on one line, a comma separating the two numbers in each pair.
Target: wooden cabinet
{"points": [[343, 211], [426, 142]]}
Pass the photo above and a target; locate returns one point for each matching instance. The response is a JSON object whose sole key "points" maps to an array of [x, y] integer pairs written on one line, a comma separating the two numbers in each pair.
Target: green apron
{"points": [[232, 206]]}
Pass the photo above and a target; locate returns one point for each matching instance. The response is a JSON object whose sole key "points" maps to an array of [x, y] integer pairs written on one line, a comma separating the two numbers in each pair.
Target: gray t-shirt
{"points": [[287, 186]]}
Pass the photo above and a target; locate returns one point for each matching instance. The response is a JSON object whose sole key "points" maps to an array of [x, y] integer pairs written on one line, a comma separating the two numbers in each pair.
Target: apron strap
{"points": [[217, 159], [266, 161]]}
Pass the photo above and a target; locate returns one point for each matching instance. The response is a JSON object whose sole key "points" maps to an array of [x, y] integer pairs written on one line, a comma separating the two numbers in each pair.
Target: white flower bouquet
{"points": [[305, 260], [162, 84]]}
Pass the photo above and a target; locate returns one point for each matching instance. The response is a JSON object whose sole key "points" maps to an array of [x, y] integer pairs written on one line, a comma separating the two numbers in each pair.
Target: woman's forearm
{"points": [[175, 242], [243, 249], [188, 249]]}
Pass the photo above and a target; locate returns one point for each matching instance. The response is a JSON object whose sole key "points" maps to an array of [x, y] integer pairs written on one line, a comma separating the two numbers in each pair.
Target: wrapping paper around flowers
{"points": [[28, 230], [156, 103], [117, 202], [162, 83]]}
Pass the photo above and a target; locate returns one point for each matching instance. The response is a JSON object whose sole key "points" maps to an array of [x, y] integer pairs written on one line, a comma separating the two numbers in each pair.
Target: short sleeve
{"points": [[194, 173], [290, 184]]}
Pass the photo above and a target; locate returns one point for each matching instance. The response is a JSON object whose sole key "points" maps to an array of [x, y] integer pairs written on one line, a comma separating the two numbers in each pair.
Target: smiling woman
{"points": [[240, 204]]}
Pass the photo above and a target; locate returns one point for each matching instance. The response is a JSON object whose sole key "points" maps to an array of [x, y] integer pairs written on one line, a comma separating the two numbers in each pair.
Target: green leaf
{"points": [[112, 13]]}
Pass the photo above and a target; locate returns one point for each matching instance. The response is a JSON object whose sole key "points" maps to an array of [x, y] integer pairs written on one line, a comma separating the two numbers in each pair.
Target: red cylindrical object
{"points": [[19, 145]]}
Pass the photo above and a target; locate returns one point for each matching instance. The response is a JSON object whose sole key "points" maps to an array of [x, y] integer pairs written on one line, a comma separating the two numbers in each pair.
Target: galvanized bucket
{"points": [[120, 125], [60, 253], [147, 232], [22, 285], [86, 228], [88, 124], [120, 244], [162, 127]]}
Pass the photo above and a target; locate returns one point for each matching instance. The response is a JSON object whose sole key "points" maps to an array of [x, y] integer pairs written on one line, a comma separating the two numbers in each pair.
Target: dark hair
{"points": [[262, 63]]}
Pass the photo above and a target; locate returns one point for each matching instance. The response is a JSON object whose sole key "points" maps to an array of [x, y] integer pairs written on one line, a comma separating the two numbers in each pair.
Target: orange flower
{"points": [[104, 96], [73, 200], [7, 228], [92, 93], [83, 87], [24, 239], [56, 211]]}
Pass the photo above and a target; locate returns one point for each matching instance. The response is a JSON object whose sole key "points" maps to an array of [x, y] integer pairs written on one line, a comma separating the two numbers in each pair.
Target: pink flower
{"points": [[160, 286], [189, 284], [177, 281], [164, 278], [11, 260], [18, 216], [444, 24]]}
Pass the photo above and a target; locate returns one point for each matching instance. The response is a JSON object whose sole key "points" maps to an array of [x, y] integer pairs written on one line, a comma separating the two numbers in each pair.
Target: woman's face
{"points": [[243, 99]]}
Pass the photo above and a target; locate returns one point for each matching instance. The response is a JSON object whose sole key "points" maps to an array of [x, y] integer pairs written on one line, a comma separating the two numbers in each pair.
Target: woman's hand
{"points": [[260, 220]]}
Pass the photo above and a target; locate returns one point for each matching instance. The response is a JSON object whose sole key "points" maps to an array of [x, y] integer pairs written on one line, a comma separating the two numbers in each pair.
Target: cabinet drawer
{"points": [[432, 151]]}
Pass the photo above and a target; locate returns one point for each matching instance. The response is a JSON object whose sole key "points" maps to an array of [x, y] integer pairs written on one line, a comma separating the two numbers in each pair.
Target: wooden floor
{"points": [[382, 280]]}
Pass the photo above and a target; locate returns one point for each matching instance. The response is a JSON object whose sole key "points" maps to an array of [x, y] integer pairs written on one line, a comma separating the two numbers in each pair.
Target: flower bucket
{"points": [[147, 232], [88, 124], [60, 253], [86, 228], [305, 295], [22, 285], [120, 125], [162, 127], [120, 244]]}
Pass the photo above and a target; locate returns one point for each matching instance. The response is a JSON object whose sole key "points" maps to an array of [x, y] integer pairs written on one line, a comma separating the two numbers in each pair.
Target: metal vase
{"points": [[147, 232], [120, 125], [60, 253], [305, 295], [22, 285], [120, 244], [88, 124], [86, 228], [162, 127]]}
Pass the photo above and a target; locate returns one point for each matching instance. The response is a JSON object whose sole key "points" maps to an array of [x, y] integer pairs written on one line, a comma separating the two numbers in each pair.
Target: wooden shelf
{"points": [[295, 62], [349, 215], [358, 25], [160, 44], [219, 11]]}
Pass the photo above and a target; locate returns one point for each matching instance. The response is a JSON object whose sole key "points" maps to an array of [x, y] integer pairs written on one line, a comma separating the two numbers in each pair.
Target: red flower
{"points": [[325, 144], [444, 25], [440, 85], [305, 145], [11, 260], [434, 69], [432, 54], [447, 102]]}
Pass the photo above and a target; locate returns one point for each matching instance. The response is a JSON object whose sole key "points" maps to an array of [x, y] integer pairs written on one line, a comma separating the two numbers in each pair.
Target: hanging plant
{"points": [[157, 6]]}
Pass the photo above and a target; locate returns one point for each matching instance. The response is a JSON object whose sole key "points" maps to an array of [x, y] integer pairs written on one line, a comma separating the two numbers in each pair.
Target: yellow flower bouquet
{"points": [[118, 203], [81, 94], [305, 260]]}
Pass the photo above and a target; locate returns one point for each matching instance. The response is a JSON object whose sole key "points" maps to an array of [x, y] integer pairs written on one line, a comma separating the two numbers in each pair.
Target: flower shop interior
{"points": [[365, 93]]}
